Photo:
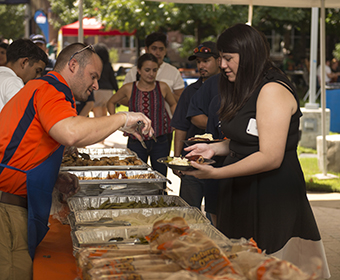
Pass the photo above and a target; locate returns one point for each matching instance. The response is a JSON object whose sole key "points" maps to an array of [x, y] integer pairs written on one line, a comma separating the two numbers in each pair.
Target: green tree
{"points": [[67, 11], [203, 20], [198, 20], [143, 16], [336, 51], [12, 17]]}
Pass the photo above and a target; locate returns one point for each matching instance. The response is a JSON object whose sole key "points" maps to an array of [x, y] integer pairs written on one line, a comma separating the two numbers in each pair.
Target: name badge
{"points": [[252, 127]]}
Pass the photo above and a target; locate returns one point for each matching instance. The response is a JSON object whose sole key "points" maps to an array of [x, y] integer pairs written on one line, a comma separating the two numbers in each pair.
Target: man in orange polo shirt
{"points": [[36, 124]]}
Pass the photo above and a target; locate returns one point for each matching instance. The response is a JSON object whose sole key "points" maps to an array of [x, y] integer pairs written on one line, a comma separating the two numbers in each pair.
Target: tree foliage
{"points": [[12, 17], [197, 20], [67, 11]]}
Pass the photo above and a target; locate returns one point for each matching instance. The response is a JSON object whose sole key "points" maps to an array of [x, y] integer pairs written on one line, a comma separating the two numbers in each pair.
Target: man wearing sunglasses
{"points": [[193, 190], [36, 124]]}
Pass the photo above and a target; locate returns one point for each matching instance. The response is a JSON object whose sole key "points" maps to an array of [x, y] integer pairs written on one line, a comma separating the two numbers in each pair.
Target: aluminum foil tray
{"points": [[147, 188], [85, 202], [106, 151], [135, 217], [135, 234], [142, 166], [100, 176]]}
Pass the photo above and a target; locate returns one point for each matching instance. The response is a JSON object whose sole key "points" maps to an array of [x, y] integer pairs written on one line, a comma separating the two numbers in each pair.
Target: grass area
{"points": [[310, 168]]}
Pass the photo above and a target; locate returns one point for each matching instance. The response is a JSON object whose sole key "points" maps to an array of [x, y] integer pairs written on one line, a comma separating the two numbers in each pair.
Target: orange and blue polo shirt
{"points": [[25, 122]]}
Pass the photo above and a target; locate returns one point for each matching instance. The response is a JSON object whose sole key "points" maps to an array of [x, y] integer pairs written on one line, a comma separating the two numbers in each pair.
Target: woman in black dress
{"points": [[263, 193]]}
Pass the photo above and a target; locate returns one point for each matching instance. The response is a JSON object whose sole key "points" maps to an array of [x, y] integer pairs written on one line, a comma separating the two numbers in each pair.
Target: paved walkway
{"points": [[326, 208]]}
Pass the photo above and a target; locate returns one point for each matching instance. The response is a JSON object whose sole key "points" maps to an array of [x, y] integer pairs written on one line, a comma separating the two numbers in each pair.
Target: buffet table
{"points": [[53, 258], [136, 231]]}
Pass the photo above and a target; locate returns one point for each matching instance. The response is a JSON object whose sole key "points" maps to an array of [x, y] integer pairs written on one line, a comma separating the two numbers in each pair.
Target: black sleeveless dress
{"points": [[271, 207]]}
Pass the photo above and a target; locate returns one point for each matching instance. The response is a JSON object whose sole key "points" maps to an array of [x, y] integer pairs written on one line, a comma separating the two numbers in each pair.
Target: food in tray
{"points": [[120, 175], [84, 160], [137, 218], [133, 204], [179, 249], [203, 137]]}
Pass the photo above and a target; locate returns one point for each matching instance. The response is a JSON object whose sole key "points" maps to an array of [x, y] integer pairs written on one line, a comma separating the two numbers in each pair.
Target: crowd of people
{"points": [[255, 190]]}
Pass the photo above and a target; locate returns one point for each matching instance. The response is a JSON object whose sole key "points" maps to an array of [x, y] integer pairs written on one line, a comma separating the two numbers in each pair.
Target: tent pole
{"points": [[313, 60], [250, 14], [27, 20], [80, 19], [323, 92]]}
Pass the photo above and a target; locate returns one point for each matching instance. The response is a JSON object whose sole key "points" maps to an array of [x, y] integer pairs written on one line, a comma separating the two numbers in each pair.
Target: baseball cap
{"points": [[38, 39], [205, 50]]}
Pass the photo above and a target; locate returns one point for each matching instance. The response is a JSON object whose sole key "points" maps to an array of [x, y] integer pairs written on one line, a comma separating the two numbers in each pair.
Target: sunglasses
{"points": [[202, 49], [90, 47]]}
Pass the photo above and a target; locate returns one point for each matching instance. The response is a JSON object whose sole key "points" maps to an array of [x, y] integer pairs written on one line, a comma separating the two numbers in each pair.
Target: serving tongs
{"points": [[140, 126]]}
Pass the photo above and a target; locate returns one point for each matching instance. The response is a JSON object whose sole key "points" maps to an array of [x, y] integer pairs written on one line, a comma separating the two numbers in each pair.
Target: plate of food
{"points": [[199, 139], [183, 163]]}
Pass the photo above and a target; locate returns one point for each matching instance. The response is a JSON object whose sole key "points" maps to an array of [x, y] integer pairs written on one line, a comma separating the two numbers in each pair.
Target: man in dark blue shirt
{"points": [[192, 190], [204, 106]]}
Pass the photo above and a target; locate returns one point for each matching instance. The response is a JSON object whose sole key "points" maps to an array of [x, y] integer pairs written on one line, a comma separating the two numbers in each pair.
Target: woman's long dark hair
{"points": [[254, 62], [103, 52], [142, 59]]}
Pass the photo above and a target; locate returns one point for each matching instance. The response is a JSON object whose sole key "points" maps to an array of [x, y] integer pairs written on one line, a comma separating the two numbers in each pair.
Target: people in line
{"points": [[3, 49], [25, 61], [204, 105], [262, 192], [43, 119], [335, 70], [40, 41], [156, 44], [192, 190], [51, 49], [147, 95], [107, 82], [329, 75]]}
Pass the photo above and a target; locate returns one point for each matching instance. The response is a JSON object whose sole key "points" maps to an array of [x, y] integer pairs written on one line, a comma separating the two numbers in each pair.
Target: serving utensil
{"points": [[140, 126]]}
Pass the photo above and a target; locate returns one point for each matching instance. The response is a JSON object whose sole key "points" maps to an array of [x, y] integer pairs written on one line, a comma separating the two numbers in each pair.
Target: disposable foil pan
{"points": [[135, 217], [85, 202], [138, 188], [142, 166], [100, 176], [106, 151], [135, 234]]}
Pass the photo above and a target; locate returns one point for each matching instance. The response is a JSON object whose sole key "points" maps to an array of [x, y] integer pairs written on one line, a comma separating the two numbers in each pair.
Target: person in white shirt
{"points": [[3, 49], [156, 44], [329, 75], [25, 61]]}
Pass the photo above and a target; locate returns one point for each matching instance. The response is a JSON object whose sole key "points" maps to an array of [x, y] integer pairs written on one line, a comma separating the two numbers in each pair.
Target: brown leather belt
{"points": [[13, 199]]}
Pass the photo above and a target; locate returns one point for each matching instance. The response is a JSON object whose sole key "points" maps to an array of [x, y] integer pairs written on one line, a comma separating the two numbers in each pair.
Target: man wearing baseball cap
{"points": [[40, 41], [192, 190]]}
